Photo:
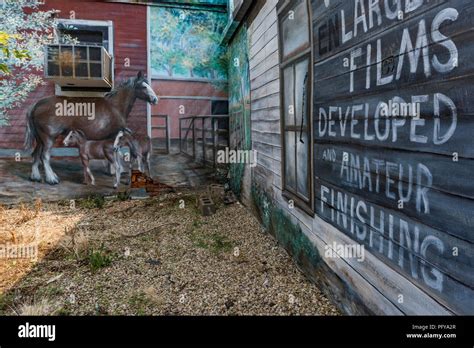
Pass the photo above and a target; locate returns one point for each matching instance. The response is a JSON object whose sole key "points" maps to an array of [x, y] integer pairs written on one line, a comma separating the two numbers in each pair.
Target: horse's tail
{"points": [[31, 134]]}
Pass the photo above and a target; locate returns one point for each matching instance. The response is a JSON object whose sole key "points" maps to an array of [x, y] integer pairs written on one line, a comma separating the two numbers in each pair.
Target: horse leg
{"points": [[148, 166], [140, 164], [51, 177], [117, 175], [114, 163], [130, 169], [85, 166], [35, 172], [89, 172]]}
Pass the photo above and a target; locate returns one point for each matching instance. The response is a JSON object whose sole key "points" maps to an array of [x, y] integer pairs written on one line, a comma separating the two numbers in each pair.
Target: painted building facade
{"points": [[128, 45], [189, 66], [360, 114]]}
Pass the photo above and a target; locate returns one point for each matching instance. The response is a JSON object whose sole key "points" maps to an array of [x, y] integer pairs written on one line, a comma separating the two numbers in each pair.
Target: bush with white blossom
{"points": [[24, 30]]}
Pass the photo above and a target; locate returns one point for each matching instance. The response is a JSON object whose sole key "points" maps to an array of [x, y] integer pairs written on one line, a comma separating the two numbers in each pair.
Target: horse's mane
{"points": [[124, 84]]}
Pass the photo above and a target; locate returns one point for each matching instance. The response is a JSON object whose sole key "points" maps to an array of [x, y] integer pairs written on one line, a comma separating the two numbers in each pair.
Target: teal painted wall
{"points": [[239, 104]]}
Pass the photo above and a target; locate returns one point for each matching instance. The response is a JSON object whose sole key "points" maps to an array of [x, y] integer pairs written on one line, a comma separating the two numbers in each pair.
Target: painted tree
{"points": [[186, 42], [24, 30]]}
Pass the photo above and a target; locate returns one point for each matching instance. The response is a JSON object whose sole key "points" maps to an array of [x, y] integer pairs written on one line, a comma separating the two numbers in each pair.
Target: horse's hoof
{"points": [[53, 181], [35, 178]]}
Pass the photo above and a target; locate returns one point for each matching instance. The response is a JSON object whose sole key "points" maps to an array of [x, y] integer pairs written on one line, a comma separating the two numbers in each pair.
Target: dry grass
{"points": [[161, 260], [42, 307], [76, 242], [44, 225]]}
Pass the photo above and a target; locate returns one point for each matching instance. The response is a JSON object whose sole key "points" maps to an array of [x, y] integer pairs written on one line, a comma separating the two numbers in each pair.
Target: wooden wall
{"points": [[419, 260], [130, 41], [399, 185]]}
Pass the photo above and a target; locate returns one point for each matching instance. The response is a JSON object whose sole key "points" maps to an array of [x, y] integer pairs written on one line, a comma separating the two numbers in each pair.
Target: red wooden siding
{"points": [[130, 41]]}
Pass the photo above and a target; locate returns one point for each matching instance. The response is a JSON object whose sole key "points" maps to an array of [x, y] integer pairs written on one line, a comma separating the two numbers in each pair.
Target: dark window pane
{"points": [[66, 70], [85, 37], [288, 87], [53, 69], [81, 70], [53, 53], [81, 52], [301, 71], [302, 165], [96, 70], [95, 53], [294, 28], [290, 169]]}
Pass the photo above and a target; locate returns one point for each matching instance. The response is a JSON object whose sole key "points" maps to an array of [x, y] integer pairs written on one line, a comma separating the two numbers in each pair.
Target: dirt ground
{"points": [[149, 257]]}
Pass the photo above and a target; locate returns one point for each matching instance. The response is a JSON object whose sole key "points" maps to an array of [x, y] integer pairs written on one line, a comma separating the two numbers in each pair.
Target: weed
{"points": [[63, 312], [50, 291], [37, 308], [123, 196], [25, 214], [38, 206], [6, 299], [140, 301], [92, 202], [215, 242], [77, 243], [99, 259]]}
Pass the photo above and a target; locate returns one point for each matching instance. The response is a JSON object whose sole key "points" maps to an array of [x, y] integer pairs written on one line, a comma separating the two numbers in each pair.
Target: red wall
{"points": [[130, 41], [184, 91]]}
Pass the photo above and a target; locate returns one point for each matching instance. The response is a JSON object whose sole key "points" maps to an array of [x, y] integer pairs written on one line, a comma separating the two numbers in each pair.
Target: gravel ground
{"points": [[152, 257]]}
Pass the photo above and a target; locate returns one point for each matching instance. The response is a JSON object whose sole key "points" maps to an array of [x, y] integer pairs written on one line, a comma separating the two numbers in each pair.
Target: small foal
{"points": [[94, 149], [140, 149]]}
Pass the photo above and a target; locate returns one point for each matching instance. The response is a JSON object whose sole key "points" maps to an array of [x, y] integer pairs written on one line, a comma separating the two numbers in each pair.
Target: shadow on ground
{"points": [[175, 169]]}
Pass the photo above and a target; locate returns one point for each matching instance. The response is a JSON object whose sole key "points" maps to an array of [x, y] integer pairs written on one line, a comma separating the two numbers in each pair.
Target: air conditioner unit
{"points": [[78, 66]]}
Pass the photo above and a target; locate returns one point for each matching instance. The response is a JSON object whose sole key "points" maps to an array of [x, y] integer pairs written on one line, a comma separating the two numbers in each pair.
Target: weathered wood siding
{"points": [[400, 185], [419, 258], [264, 95]]}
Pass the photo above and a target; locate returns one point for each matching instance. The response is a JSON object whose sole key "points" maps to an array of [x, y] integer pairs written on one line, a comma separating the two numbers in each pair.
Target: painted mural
{"points": [[186, 44], [239, 104]]}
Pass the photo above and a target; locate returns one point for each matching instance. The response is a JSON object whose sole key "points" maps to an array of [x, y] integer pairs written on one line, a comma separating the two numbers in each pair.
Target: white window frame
{"points": [[92, 23]]}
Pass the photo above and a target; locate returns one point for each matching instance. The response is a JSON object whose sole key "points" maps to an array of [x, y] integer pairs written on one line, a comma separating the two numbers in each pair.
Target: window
{"points": [[295, 79], [91, 73], [91, 33]]}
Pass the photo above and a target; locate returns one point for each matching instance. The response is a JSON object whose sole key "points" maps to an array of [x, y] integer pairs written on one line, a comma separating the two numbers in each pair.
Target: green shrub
{"points": [[99, 259], [92, 202]]}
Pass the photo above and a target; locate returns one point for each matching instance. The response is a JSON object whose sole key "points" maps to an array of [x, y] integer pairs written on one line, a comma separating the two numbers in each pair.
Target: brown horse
{"points": [[48, 119]]}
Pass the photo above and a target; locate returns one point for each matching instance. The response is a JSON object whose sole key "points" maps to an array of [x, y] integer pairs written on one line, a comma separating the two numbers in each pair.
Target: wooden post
{"points": [[213, 126], [168, 138], [203, 141], [180, 137], [194, 137]]}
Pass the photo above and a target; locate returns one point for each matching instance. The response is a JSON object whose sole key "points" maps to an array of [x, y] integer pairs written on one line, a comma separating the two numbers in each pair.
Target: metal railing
{"points": [[201, 137], [160, 128]]}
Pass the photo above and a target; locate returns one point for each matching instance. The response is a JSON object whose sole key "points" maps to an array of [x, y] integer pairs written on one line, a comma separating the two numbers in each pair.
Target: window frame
{"points": [[292, 59], [110, 49]]}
